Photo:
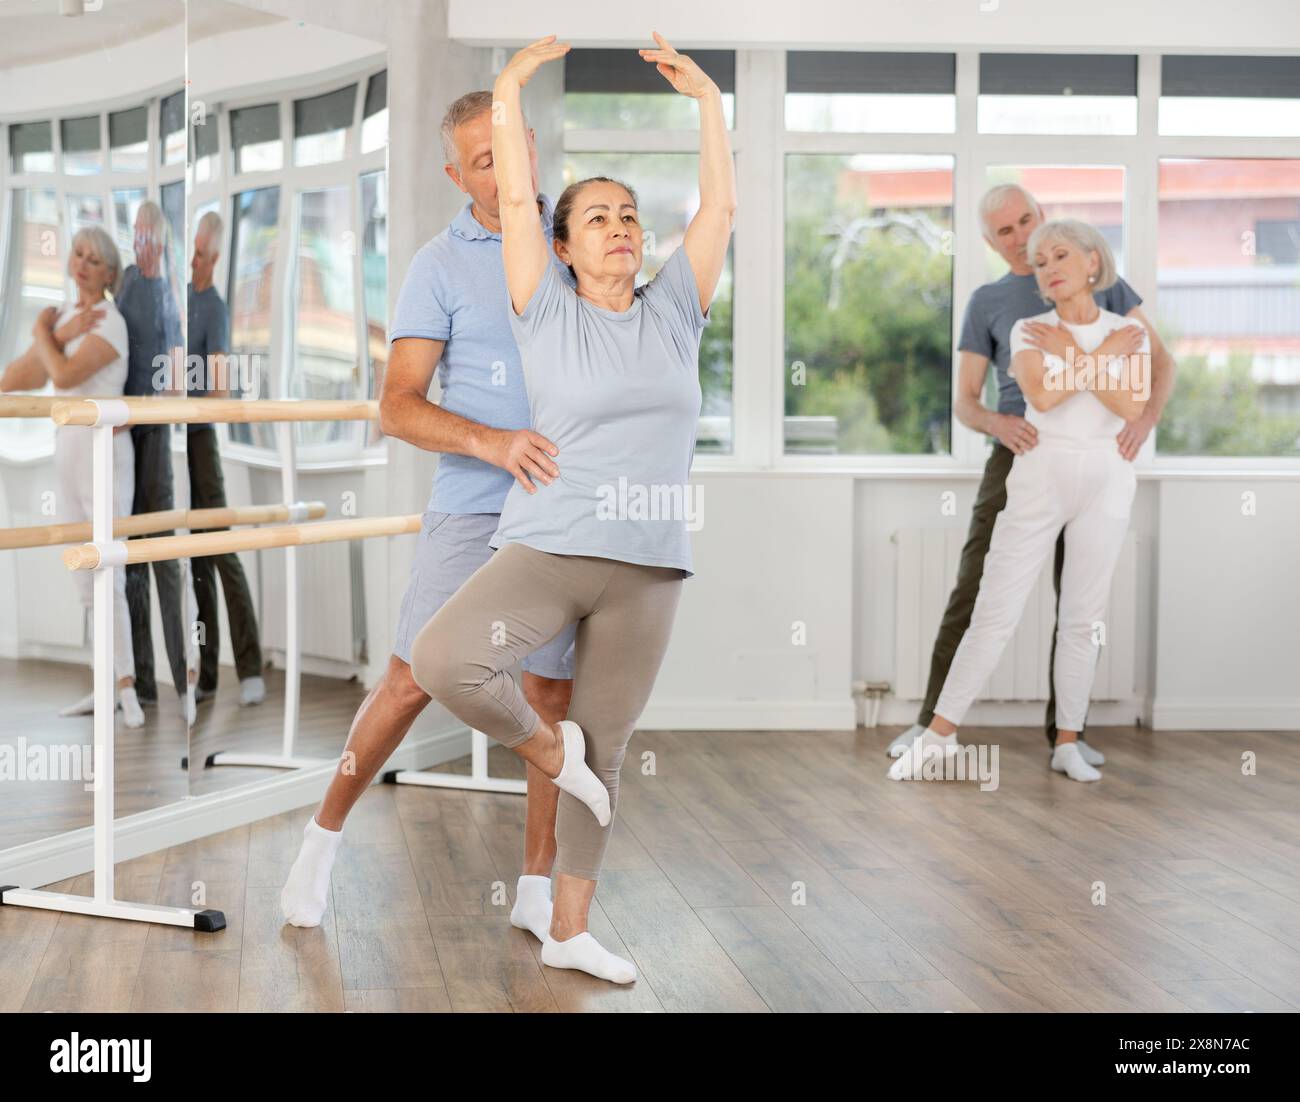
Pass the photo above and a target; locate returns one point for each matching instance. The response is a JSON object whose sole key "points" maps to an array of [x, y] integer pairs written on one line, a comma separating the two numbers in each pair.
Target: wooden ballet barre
{"points": [[86, 556], [184, 411], [141, 524]]}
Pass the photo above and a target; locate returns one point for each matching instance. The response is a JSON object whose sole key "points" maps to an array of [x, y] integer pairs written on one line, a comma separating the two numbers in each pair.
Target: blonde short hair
{"points": [[1082, 236], [102, 244]]}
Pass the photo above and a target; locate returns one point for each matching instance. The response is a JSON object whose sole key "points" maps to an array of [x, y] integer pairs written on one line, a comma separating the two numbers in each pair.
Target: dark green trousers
{"points": [[208, 491], [989, 502]]}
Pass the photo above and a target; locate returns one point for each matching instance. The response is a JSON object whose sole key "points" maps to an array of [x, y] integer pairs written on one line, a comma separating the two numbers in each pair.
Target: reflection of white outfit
{"points": [[1074, 477], [74, 467]]}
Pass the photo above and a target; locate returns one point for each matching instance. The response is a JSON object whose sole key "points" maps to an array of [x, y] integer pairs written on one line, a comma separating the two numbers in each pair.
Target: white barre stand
{"points": [[112, 557]]}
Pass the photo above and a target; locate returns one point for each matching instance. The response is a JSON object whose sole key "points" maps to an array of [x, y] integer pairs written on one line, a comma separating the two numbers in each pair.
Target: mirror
{"points": [[91, 221], [287, 244]]}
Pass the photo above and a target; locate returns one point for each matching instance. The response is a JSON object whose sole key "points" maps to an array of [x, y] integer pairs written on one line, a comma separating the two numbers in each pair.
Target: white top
{"points": [[1081, 418], [110, 380]]}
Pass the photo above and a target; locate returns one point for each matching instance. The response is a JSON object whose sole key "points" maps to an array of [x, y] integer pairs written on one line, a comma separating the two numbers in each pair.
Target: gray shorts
{"points": [[451, 547]]}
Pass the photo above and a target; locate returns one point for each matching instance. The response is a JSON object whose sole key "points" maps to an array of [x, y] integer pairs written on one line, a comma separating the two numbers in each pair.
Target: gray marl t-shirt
{"points": [[618, 393]]}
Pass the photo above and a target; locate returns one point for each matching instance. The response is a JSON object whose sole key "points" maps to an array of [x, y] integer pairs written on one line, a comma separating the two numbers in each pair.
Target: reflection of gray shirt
{"points": [[153, 324], [208, 334], [997, 306], [618, 393]]}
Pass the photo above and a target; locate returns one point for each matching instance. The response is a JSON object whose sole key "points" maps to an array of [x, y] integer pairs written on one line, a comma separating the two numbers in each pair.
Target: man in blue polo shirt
{"points": [[451, 317]]}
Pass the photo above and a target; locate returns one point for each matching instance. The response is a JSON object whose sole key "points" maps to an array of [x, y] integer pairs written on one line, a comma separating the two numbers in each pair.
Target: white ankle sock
{"points": [[576, 779], [83, 707], [252, 690], [1090, 755], [1067, 759], [132, 714], [899, 746], [586, 954], [532, 909], [306, 892], [912, 763]]}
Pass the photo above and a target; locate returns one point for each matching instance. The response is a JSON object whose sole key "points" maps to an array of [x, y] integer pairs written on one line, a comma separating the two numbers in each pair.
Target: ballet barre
{"points": [[144, 524]]}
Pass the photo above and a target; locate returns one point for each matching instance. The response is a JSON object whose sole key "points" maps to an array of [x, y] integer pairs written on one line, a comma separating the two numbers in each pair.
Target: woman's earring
{"points": [[1092, 279]]}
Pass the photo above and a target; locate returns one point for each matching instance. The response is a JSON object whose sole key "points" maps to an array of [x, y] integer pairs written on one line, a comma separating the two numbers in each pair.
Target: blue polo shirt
{"points": [[455, 291]]}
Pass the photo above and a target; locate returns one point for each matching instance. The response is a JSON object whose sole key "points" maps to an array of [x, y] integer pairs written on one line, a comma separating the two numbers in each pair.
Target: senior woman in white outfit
{"points": [[1081, 370], [82, 350]]}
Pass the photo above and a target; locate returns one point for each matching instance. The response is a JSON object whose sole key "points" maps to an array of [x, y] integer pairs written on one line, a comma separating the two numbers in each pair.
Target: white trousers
{"points": [[1088, 491], [73, 466]]}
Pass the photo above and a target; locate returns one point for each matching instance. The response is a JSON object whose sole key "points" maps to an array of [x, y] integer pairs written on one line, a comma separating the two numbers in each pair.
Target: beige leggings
{"points": [[518, 600]]}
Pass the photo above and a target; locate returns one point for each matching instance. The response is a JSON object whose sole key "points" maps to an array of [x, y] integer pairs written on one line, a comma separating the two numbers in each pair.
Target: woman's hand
{"points": [[679, 70], [81, 323], [1122, 342], [532, 57], [43, 326], [1053, 340]]}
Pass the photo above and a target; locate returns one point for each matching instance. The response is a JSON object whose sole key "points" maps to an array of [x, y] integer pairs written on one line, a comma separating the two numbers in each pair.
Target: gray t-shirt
{"points": [[618, 393], [997, 306], [208, 334], [153, 323]]}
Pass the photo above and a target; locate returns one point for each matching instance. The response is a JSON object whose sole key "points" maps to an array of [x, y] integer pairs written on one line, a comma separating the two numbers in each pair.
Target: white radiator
{"points": [[927, 561]]}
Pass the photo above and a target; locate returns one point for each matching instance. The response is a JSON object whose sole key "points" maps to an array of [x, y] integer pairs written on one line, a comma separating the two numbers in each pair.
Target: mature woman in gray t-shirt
{"points": [[613, 382]]}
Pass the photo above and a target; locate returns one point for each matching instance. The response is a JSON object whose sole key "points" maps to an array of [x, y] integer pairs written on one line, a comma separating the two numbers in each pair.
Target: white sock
{"points": [[252, 690], [585, 953], [576, 779], [911, 764], [83, 707], [1067, 759], [532, 909], [132, 715], [903, 741], [189, 705], [1091, 756], [305, 893]]}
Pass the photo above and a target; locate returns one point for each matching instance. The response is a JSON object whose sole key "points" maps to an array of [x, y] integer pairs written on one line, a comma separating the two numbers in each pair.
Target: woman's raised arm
{"points": [[523, 244], [710, 230]]}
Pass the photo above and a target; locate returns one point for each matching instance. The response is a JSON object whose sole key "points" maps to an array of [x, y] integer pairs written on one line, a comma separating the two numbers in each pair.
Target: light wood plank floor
{"points": [[748, 871]]}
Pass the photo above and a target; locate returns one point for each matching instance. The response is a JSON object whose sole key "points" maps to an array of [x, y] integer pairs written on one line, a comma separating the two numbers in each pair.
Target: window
{"points": [[31, 147], [1229, 307], [173, 208], [667, 194], [615, 89], [321, 125], [868, 304], [1236, 97], [884, 93], [34, 273], [374, 120], [255, 136], [126, 204], [324, 362], [1057, 94], [206, 146], [171, 128], [84, 210], [1090, 193], [374, 282], [128, 140], [83, 153], [252, 271]]}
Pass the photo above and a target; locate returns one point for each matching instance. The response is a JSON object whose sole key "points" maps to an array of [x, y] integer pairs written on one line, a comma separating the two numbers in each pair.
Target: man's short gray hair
{"points": [[1082, 236], [210, 225], [996, 197], [469, 107]]}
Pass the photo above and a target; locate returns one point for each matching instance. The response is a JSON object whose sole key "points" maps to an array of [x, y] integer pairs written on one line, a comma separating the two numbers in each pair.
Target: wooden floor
{"points": [[147, 760], [751, 871]]}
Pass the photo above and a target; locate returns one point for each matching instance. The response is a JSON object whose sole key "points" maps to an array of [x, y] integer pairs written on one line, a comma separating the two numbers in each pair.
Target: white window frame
{"points": [[292, 180]]}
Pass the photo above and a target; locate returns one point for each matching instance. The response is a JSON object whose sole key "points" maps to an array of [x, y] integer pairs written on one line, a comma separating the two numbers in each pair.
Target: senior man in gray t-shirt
{"points": [[1009, 214]]}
